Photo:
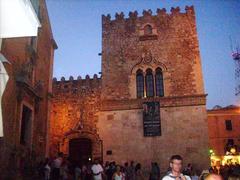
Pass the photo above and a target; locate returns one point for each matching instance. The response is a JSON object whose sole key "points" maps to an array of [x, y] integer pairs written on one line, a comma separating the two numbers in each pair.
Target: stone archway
{"points": [[78, 135]]}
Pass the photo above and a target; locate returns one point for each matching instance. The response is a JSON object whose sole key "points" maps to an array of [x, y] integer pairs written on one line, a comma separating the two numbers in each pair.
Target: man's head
{"points": [[118, 168], [60, 154], [96, 161], [132, 163], [213, 177], [176, 163]]}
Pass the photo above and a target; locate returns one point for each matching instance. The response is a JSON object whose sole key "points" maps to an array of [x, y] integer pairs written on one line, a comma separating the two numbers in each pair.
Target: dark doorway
{"points": [[26, 123], [80, 150]]}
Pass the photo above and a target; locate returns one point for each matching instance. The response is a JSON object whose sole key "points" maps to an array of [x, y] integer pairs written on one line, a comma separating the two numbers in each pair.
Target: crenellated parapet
{"points": [[79, 78], [75, 85], [175, 11]]}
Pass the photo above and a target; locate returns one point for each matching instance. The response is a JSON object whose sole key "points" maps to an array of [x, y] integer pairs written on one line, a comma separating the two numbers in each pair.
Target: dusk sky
{"points": [[76, 26]]}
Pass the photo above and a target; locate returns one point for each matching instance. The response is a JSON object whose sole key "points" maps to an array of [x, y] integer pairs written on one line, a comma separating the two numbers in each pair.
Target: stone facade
{"points": [[74, 109], [173, 47], [113, 111], [28, 93], [181, 134]]}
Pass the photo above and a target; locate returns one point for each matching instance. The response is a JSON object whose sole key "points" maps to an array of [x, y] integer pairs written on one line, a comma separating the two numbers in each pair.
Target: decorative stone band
{"points": [[193, 100], [148, 37]]}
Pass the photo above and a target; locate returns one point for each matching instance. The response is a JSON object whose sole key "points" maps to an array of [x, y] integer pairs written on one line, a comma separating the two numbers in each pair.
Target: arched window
{"points": [[159, 82], [147, 29], [140, 83], [149, 83]]}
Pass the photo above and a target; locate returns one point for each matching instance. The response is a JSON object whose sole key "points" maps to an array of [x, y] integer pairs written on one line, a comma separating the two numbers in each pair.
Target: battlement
{"points": [[79, 78], [175, 11], [73, 85]]}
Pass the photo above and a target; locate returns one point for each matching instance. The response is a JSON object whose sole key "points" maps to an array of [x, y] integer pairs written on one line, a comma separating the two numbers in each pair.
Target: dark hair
{"points": [[132, 163], [176, 157], [234, 177], [60, 154], [138, 167], [204, 176]]}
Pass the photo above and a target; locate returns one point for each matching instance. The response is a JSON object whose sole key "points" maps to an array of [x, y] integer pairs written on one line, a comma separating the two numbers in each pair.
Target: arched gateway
{"points": [[81, 146]]}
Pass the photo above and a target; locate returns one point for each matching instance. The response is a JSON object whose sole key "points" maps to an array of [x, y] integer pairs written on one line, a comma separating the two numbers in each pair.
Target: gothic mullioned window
{"points": [[140, 83], [149, 83], [159, 82]]}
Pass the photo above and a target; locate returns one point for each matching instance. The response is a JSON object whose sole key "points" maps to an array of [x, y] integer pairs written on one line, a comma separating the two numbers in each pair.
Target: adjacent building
{"points": [[224, 134], [26, 101]]}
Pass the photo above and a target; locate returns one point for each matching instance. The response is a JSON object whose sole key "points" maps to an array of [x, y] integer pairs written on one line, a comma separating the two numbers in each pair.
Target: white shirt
{"points": [[171, 177], [118, 177], [97, 169], [57, 162], [47, 171], [77, 172], [195, 177]]}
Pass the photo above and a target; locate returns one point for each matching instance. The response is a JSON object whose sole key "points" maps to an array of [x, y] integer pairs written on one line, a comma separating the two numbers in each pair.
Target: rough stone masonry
{"points": [[107, 111]]}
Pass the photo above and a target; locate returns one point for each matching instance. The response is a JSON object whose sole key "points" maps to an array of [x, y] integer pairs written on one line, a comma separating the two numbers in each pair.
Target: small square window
{"points": [[109, 152], [228, 124]]}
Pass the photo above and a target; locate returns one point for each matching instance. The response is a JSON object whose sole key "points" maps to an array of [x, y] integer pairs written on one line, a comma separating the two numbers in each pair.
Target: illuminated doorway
{"points": [[80, 150]]}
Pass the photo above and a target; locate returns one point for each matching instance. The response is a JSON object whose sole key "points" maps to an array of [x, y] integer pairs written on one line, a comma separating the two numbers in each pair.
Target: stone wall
{"points": [[184, 132], [74, 109]]}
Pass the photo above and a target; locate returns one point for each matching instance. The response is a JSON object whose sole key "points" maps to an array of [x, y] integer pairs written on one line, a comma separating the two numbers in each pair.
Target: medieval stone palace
{"points": [[149, 101]]}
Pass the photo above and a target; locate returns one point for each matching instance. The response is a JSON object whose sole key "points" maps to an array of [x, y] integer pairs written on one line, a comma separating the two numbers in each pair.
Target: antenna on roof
{"points": [[236, 58]]}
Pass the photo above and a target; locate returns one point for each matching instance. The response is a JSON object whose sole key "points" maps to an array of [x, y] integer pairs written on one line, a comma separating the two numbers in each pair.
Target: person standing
{"points": [[176, 167], [64, 170], [188, 170], [138, 172], [131, 171], [97, 170], [155, 172], [195, 175], [56, 166], [77, 172], [118, 174], [158, 170], [47, 170]]}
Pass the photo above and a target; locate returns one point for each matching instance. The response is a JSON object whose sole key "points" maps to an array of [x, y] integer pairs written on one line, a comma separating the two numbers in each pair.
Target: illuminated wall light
{"points": [[233, 150]]}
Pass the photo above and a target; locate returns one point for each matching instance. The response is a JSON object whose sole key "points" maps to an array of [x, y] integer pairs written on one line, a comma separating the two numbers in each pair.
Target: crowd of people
{"points": [[62, 169], [226, 171]]}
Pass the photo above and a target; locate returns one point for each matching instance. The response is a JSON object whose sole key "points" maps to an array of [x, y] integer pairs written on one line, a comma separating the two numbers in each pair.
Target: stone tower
{"points": [[149, 44], [171, 45]]}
